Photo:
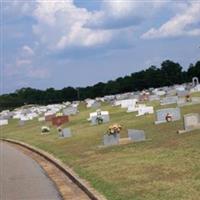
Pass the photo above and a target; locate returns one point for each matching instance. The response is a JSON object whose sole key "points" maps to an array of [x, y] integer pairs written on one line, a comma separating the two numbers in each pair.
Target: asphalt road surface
{"points": [[21, 178]]}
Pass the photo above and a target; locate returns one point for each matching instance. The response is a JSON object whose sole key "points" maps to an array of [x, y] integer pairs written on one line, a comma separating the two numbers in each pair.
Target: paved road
{"points": [[21, 178]]}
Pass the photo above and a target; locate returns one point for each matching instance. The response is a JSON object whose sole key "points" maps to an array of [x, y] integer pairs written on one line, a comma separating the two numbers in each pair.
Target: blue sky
{"points": [[81, 42]]}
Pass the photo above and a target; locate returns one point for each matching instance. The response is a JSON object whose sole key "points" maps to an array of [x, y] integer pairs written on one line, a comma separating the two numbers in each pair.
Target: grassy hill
{"points": [[167, 166]]}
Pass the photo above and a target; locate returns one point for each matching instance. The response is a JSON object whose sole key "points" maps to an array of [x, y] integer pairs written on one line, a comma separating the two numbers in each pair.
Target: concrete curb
{"points": [[82, 184]]}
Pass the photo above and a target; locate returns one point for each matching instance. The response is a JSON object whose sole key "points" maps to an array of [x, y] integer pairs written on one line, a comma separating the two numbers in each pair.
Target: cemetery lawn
{"points": [[165, 167]]}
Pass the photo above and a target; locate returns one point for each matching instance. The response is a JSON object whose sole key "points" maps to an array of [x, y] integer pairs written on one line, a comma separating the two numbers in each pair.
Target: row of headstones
{"points": [[191, 122], [62, 133], [182, 101], [111, 139], [133, 135], [160, 116]]}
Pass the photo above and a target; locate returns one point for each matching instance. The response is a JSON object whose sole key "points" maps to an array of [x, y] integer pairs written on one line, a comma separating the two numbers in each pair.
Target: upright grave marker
{"points": [[65, 133], [195, 81], [70, 111], [58, 121], [167, 115], [111, 139], [136, 135], [191, 122], [169, 100]]}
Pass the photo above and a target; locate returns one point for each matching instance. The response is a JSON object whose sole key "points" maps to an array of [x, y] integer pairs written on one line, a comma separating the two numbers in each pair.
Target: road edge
{"points": [[82, 184]]}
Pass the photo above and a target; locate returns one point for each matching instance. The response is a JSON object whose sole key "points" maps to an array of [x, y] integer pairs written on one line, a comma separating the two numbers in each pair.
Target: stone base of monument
{"points": [[125, 141], [189, 130]]}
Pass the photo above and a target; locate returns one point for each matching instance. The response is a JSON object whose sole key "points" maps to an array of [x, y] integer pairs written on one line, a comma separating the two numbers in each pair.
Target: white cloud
{"points": [[121, 8], [20, 62], [28, 50], [179, 25], [24, 66], [38, 73], [120, 13], [17, 8], [60, 24], [26, 71]]}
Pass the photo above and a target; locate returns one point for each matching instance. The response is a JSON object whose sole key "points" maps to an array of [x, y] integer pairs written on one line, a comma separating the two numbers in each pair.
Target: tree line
{"points": [[169, 73]]}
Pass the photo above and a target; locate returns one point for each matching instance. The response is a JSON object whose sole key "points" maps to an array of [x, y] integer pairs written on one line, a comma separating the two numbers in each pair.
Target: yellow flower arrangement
{"points": [[115, 128]]}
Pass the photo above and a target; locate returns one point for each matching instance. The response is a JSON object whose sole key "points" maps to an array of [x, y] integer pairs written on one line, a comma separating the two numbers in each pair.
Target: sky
{"points": [[51, 43]]}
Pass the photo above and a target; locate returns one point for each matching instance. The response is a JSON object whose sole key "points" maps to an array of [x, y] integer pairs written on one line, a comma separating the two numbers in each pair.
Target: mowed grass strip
{"points": [[166, 166]]}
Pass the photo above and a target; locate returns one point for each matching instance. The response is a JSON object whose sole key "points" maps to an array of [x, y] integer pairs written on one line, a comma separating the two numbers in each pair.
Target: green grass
{"points": [[165, 167]]}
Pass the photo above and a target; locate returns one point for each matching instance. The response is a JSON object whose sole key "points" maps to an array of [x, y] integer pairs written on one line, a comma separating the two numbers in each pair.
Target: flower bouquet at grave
{"points": [[168, 117], [114, 129], [99, 118], [188, 98], [45, 129], [59, 114]]}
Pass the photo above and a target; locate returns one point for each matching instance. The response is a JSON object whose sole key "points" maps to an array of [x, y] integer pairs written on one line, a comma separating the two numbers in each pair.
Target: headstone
{"points": [[128, 103], [21, 122], [191, 122], [183, 93], [136, 135], [171, 92], [58, 121], [49, 117], [195, 81], [193, 101], [135, 108], [104, 115], [89, 102], [144, 96], [96, 105], [162, 114], [41, 119], [3, 122], [169, 100], [65, 133], [70, 111], [111, 139], [154, 98], [145, 110], [181, 101]]}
